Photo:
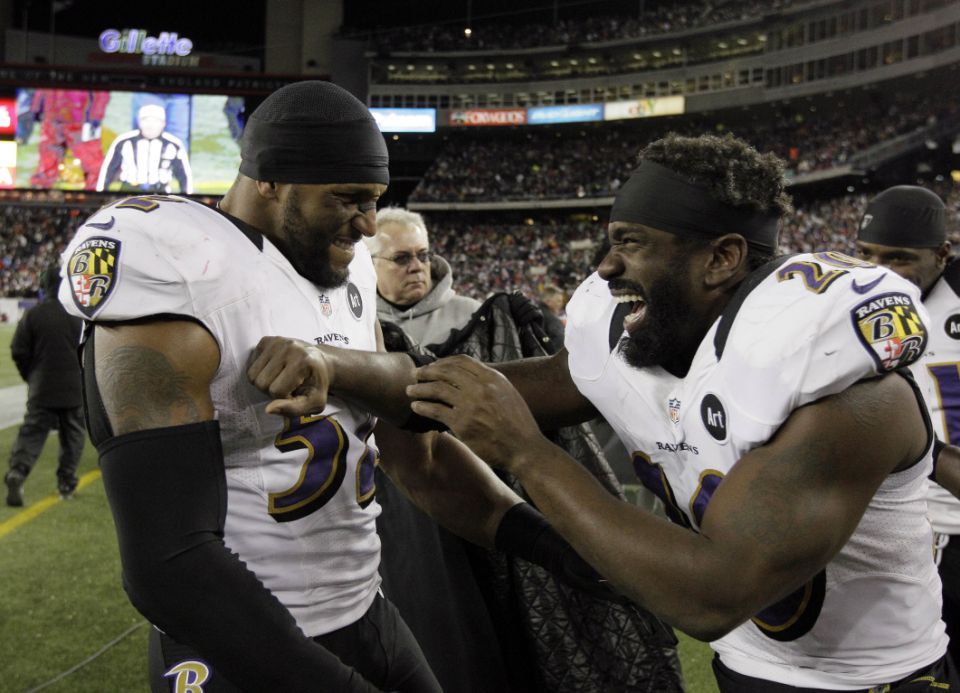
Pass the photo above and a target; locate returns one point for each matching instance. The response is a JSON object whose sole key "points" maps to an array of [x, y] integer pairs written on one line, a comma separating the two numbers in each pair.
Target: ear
{"points": [[943, 254], [726, 261], [267, 189]]}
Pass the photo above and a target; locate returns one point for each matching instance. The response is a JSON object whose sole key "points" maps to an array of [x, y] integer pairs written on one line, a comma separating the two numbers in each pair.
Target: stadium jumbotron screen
{"points": [[131, 141]]}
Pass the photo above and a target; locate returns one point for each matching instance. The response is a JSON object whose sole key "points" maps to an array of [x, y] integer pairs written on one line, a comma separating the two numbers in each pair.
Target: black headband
{"points": [[314, 152], [905, 216], [658, 197]]}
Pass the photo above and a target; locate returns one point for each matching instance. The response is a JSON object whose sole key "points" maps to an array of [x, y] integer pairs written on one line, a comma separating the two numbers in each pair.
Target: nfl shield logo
{"points": [[674, 408], [325, 306]]}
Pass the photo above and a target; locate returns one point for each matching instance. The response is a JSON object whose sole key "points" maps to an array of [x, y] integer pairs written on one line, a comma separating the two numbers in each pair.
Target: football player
{"points": [[247, 537], [904, 228], [762, 399]]}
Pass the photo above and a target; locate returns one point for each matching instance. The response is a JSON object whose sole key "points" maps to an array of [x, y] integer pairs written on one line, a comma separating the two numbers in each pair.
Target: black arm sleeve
{"points": [[167, 491]]}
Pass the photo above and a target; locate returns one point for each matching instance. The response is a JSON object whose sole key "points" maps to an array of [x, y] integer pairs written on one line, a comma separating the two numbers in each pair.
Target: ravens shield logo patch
{"points": [[92, 271], [890, 328]]}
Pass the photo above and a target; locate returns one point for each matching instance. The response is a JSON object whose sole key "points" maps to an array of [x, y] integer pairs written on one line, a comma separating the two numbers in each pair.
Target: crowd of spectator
{"points": [[31, 237], [487, 252], [591, 161], [497, 34], [487, 256]]}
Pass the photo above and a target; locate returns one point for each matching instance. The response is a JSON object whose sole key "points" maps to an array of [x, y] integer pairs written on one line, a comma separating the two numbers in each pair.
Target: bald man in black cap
{"points": [[247, 536], [904, 228]]}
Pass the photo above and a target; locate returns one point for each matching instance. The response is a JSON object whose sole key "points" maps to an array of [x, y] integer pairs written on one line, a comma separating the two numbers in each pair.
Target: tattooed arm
{"points": [[153, 375], [164, 478]]}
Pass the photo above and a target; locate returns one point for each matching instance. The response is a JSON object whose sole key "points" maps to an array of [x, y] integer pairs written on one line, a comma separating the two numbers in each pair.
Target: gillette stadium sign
{"points": [[167, 48]]}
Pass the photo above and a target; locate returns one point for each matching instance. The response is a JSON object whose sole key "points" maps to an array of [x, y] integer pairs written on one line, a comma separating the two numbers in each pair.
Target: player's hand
{"points": [[294, 373], [480, 407]]}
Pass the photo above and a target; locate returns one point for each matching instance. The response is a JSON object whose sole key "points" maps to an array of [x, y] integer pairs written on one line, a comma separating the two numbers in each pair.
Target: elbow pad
{"points": [[167, 492]]}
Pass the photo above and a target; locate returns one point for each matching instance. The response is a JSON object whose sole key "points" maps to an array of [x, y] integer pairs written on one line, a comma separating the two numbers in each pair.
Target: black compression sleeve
{"points": [[524, 532], [167, 491]]}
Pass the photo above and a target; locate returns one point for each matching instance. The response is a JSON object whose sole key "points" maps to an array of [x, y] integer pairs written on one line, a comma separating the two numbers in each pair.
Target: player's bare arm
{"points": [[549, 391], [437, 472], [155, 374], [947, 470], [300, 375], [777, 518], [447, 481]]}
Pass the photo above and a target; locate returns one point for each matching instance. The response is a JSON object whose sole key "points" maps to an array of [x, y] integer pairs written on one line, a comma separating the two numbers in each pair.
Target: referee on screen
{"points": [[147, 159]]}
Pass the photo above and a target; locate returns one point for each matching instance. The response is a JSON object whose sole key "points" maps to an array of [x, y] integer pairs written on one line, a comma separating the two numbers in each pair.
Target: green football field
{"points": [[65, 622]]}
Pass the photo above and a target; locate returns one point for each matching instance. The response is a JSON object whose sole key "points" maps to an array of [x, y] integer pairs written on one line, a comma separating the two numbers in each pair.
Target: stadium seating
{"points": [[493, 35], [592, 161], [487, 251]]}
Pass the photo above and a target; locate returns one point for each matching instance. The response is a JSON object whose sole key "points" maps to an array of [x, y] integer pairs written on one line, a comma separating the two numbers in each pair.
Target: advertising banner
{"points": [[473, 117], [573, 113], [644, 108], [406, 119]]}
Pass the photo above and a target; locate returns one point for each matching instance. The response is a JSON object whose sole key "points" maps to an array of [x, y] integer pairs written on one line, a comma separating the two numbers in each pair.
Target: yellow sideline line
{"points": [[28, 514]]}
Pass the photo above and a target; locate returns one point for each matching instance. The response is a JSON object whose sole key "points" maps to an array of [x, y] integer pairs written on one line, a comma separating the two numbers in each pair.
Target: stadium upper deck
{"points": [[757, 56]]}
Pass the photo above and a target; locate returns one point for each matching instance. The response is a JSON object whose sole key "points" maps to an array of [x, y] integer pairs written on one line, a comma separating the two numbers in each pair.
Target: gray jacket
{"points": [[430, 320]]}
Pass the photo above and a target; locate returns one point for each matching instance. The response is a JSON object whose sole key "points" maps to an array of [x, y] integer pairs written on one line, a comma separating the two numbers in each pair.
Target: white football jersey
{"points": [[300, 507], [938, 372], [811, 327]]}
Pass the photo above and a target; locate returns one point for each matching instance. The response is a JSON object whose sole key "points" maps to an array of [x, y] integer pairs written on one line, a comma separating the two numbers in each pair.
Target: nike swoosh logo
{"points": [[864, 288], [102, 225]]}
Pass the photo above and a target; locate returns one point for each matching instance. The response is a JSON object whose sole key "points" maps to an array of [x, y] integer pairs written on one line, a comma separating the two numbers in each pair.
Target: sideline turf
{"points": [[62, 599]]}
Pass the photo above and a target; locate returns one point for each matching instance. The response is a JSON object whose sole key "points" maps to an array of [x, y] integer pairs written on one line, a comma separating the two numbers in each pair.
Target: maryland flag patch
{"points": [[92, 271], [890, 329]]}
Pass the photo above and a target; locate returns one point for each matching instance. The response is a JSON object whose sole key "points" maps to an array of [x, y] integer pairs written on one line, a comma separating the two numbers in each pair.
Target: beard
{"points": [[308, 248], [667, 312]]}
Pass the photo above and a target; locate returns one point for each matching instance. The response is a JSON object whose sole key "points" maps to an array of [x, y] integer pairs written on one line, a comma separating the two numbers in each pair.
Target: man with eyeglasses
{"points": [[426, 570], [414, 286]]}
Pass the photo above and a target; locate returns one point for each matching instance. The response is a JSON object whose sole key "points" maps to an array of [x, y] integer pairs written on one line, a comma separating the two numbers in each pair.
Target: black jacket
{"points": [[563, 640], [44, 349]]}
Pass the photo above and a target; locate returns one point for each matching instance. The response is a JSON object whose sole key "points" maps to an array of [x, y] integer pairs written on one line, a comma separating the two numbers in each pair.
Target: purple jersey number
{"points": [[785, 620], [947, 379], [325, 468]]}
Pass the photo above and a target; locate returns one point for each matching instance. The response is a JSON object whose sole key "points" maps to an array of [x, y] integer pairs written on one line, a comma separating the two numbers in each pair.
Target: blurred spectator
{"points": [[486, 251], [591, 161], [552, 302], [31, 238], [44, 349], [657, 18]]}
